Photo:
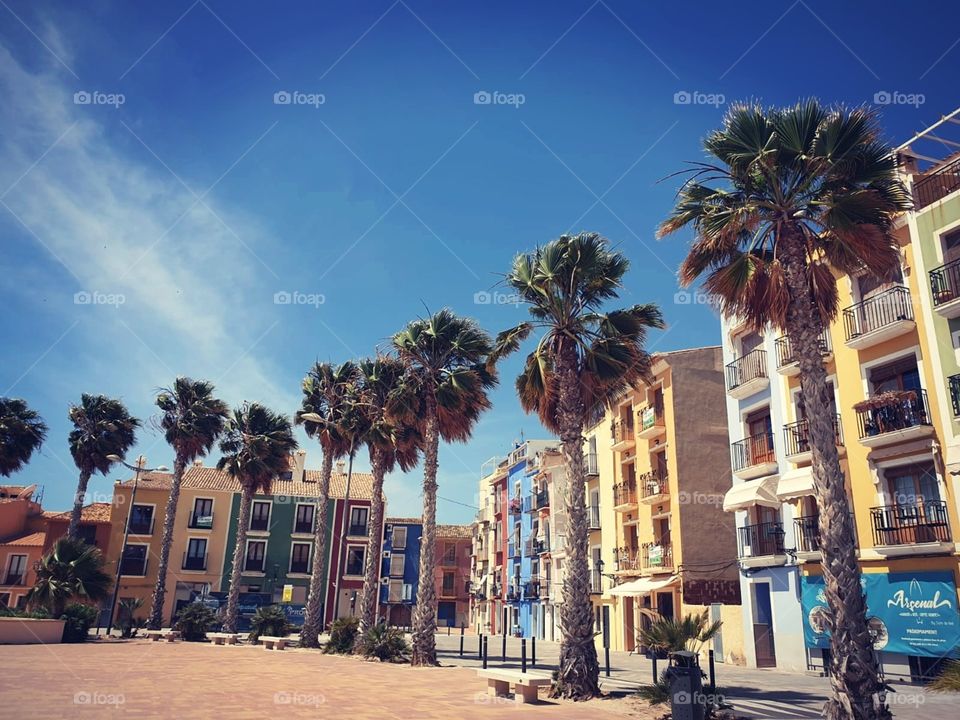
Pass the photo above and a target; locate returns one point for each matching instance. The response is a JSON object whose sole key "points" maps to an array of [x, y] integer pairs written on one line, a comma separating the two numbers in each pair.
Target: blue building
{"points": [[400, 569]]}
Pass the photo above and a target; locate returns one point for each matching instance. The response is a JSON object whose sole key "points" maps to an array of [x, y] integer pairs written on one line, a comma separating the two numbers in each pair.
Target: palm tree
{"points": [[192, 419], [786, 198], [102, 427], [584, 360], [22, 432], [690, 632], [392, 441], [256, 448], [327, 393], [71, 570], [446, 360]]}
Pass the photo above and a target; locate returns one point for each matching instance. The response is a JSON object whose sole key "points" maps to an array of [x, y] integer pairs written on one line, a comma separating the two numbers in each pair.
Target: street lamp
{"points": [[138, 468]]}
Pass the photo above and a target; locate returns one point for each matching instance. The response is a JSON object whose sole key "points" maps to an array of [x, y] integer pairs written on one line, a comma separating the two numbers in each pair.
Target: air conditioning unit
{"points": [[386, 554], [747, 551], [384, 581], [387, 528]]}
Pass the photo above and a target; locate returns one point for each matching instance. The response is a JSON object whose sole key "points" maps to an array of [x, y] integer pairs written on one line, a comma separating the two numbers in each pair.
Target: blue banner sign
{"points": [[909, 613]]}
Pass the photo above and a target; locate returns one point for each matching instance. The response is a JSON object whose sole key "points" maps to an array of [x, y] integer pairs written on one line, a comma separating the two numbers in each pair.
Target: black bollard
{"points": [[606, 653], [713, 675], [461, 642], [533, 651], [504, 647], [448, 631], [523, 655], [480, 647], [654, 657], [484, 643]]}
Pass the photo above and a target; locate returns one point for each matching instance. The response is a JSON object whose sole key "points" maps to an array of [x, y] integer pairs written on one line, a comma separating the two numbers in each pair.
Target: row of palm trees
{"points": [[784, 199]]}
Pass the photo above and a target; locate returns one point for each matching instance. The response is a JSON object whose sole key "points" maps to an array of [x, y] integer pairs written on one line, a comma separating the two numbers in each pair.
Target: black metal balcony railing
{"points": [[200, 521], [14, 578], [936, 185], [513, 594], [542, 546], [596, 581], [260, 523], [786, 354], [945, 283], [622, 430], [253, 565], [625, 493], [654, 555], [653, 483], [903, 410], [141, 527], [754, 450], [651, 416], [301, 567], [921, 522], [628, 559], [358, 530], [954, 383], [593, 517], [884, 308], [751, 366], [590, 463], [194, 562], [135, 567], [760, 539], [807, 530], [532, 589], [513, 550], [303, 527], [796, 436]]}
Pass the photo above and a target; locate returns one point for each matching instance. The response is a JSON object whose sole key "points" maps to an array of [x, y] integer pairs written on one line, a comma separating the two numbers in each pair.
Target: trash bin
{"points": [[686, 686]]}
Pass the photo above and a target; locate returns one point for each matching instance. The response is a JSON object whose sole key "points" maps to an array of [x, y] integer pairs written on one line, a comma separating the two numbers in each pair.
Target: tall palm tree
{"points": [[102, 427], [392, 440], [72, 570], [585, 358], [191, 419], [256, 448], [327, 393], [447, 370], [786, 198], [22, 432]]}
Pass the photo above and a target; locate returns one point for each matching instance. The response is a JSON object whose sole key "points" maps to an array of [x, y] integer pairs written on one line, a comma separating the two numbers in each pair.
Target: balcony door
{"points": [[760, 431], [951, 246], [913, 485], [900, 375], [762, 625]]}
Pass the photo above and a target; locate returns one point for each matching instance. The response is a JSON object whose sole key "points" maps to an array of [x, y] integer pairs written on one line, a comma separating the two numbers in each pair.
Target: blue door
{"points": [[446, 614]]}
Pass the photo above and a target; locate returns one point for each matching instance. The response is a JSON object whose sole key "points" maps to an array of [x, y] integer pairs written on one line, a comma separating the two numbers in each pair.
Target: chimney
{"points": [[198, 462], [299, 461], [341, 467]]}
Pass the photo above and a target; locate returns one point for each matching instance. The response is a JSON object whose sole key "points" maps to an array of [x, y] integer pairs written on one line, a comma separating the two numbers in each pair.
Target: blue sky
{"points": [[158, 193]]}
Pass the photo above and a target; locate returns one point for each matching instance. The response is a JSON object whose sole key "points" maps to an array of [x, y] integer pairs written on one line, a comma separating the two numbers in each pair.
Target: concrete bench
{"points": [[168, 635], [221, 638], [525, 685], [273, 643]]}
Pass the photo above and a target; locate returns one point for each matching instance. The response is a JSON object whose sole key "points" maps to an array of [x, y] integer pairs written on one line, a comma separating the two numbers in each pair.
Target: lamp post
{"points": [[138, 468]]}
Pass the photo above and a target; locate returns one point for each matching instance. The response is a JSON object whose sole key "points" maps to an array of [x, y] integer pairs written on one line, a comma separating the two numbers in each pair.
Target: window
{"points": [[5, 599], [358, 521], [449, 579], [450, 553], [304, 520], [202, 516], [395, 592], [407, 591], [87, 533], [951, 245], [399, 537], [913, 485], [355, 555], [196, 556], [899, 375], [300, 558], [134, 560], [256, 550], [396, 565], [869, 285], [760, 437], [17, 570], [141, 520], [260, 516]]}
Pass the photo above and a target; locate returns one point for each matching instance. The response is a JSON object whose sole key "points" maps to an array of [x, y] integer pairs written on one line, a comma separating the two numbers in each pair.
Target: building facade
{"points": [[452, 575], [400, 570]]}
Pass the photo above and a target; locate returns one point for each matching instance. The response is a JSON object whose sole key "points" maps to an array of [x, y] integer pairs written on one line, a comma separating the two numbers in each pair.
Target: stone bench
{"points": [[168, 635], [221, 638], [273, 643], [525, 685]]}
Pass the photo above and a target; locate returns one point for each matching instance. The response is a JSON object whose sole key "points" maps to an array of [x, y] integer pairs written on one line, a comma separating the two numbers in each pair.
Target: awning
{"points": [[643, 586], [752, 492], [795, 483]]}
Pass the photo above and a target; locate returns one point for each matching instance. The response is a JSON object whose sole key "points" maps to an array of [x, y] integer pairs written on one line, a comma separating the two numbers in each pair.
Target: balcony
{"points": [[253, 565], [654, 487], [886, 315], [532, 589], [954, 384], [513, 550], [622, 432], [260, 523], [656, 557], [761, 545], [303, 528], [483, 516], [911, 529], [893, 417], [754, 457], [628, 560], [596, 582], [593, 517], [936, 185], [945, 288], [530, 548], [539, 500], [747, 375], [787, 361], [807, 531], [515, 506], [542, 546], [590, 464], [652, 423], [194, 562], [357, 530], [625, 496], [796, 440]]}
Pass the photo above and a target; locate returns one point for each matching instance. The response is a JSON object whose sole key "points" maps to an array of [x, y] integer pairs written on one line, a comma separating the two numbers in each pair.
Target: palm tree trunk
{"points": [[371, 570], [78, 504], [425, 612], [159, 591], [233, 599], [579, 671], [313, 615], [854, 670]]}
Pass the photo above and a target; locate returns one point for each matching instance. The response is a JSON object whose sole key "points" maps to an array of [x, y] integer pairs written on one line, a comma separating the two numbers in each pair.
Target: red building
{"points": [[452, 575]]}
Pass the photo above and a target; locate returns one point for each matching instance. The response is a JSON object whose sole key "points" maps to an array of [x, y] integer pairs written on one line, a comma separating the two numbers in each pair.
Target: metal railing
{"points": [[303, 527], [593, 517], [954, 382], [936, 185], [253, 564], [884, 308], [301, 567], [785, 351], [193, 562], [628, 558], [656, 555], [596, 582], [590, 463], [625, 493], [260, 524], [622, 430], [796, 436], [651, 416], [920, 522], [753, 450], [653, 483], [200, 521], [139, 527], [945, 283], [807, 531], [539, 500], [542, 545], [760, 539], [751, 366], [358, 530], [897, 414], [516, 506]]}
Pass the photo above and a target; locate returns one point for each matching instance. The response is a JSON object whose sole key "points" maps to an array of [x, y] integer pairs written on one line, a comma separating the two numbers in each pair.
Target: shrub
{"points": [[343, 634], [384, 643], [194, 620], [126, 620], [79, 619], [38, 613], [269, 621], [948, 680]]}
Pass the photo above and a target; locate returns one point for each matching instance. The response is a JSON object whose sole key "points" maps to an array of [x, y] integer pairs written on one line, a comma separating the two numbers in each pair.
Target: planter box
{"points": [[29, 631]]}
